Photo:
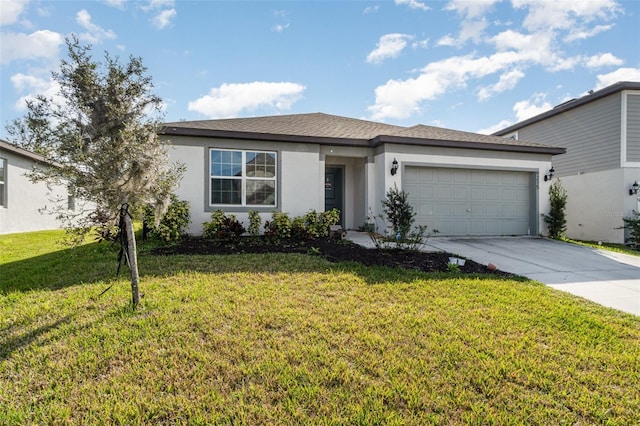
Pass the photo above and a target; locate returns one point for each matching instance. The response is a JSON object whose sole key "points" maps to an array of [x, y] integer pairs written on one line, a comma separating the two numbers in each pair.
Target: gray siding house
{"points": [[601, 132]]}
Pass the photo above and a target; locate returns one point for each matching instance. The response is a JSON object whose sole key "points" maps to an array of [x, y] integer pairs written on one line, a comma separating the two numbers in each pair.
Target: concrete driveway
{"points": [[608, 278]]}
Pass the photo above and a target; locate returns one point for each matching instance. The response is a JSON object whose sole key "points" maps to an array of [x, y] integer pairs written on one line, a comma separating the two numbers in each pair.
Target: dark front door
{"points": [[333, 190]]}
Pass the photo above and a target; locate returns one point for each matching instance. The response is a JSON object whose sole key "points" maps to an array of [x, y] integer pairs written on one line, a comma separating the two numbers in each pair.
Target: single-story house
{"points": [[22, 202], [601, 132], [459, 183]]}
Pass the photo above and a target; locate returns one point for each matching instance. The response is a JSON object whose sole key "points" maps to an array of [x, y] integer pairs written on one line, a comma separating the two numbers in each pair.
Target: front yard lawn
{"points": [[280, 338]]}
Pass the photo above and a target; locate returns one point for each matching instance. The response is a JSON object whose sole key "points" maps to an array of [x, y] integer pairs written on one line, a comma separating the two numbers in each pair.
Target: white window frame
{"points": [[243, 179]]}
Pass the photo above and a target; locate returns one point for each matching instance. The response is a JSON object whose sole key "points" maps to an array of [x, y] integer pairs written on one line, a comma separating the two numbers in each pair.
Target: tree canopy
{"points": [[102, 132]]}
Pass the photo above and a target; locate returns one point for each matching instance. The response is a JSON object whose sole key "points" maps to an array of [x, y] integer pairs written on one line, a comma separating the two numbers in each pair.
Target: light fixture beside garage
{"points": [[550, 175], [635, 188], [394, 167]]}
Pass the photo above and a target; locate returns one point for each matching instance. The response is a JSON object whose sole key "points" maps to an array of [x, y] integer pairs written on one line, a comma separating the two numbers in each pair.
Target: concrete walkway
{"points": [[608, 278]]}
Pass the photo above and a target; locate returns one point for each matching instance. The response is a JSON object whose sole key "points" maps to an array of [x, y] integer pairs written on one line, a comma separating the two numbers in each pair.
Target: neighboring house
{"points": [[459, 183], [22, 201], [601, 132]]}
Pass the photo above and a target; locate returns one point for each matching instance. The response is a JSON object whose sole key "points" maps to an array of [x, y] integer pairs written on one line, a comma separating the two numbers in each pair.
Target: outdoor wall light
{"points": [[550, 175], [635, 188], [394, 167]]}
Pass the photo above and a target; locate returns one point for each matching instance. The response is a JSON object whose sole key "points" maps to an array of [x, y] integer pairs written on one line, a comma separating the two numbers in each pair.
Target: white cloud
{"points": [[389, 46], [280, 27], [371, 9], [118, 4], [563, 64], [531, 107], [401, 98], [472, 30], [41, 44], [498, 126], [507, 81], [229, 100], [420, 44], [446, 40], [164, 11], [95, 33], [413, 4], [471, 8], [581, 33], [11, 11], [473, 24], [163, 18], [554, 14], [603, 60], [34, 85], [158, 4], [621, 74]]}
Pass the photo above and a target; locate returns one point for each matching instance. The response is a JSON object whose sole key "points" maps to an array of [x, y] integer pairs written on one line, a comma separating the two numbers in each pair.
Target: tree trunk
{"points": [[133, 260]]}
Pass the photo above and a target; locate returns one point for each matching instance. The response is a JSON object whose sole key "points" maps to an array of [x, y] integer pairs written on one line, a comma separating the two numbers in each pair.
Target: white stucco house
{"points": [[601, 132], [22, 201], [459, 183]]}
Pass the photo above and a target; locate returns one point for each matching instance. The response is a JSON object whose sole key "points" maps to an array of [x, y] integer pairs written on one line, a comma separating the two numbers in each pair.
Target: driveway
{"points": [[608, 278]]}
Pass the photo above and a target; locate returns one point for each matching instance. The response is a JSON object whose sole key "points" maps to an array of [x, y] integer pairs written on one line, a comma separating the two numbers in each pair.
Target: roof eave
{"points": [[273, 137], [379, 140], [27, 154]]}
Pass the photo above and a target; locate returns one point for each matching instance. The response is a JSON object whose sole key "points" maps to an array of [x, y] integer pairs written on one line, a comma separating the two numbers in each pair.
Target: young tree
{"points": [[556, 219], [102, 134]]}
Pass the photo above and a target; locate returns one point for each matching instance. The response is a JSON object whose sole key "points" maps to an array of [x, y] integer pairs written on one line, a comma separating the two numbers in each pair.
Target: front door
{"points": [[334, 190]]}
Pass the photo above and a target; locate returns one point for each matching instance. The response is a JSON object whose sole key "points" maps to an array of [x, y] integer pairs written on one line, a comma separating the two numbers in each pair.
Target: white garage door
{"points": [[469, 202]]}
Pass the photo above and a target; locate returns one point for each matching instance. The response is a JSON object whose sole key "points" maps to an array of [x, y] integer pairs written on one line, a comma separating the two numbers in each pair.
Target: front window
{"points": [[242, 178], [3, 182]]}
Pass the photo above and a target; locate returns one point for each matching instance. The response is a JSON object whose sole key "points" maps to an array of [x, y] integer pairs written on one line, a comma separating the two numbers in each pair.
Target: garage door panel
{"points": [[470, 202]]}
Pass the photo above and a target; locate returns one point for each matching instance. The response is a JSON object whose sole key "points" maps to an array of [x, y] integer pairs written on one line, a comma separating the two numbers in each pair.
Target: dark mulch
{"points": [[332, 250]]}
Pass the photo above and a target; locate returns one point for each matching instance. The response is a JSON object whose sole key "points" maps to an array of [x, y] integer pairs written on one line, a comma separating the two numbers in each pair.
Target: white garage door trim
{"points": [[474, 202]]}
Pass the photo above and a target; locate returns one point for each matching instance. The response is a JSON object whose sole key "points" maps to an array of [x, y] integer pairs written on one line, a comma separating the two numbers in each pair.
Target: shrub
{"points": [[279, 226], [632, 224], [223, 227], [309, 226], [556, 218], [255, 222], [173, 224], [398, 212]]}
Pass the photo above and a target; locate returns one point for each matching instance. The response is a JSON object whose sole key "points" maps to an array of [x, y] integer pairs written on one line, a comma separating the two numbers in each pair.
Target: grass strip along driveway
{"points": [[294, 339]]}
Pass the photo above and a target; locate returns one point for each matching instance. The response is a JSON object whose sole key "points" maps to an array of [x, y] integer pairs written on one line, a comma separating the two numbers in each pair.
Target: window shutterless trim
{"points": [[243, 207]]}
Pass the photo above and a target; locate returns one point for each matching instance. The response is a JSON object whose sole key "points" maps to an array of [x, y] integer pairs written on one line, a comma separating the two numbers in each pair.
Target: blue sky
{"points": [[468, 65]]}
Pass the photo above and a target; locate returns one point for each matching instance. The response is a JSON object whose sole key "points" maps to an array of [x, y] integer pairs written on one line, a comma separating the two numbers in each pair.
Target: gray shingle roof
{"points": [[318, 125], [335, 130]]}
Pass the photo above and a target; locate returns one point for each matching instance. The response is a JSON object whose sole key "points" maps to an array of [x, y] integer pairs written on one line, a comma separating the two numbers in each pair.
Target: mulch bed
{"points": [[332, 250]]}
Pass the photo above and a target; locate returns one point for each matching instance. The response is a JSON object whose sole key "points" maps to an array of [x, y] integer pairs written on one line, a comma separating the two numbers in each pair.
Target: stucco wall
{"points": [[594, 209], [302, 166], [25, 199], [300, 178], [476, 159]]}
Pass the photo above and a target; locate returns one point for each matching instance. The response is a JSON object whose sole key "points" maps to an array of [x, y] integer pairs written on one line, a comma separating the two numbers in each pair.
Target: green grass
{"points": [[293, 339], [619, 248]]}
